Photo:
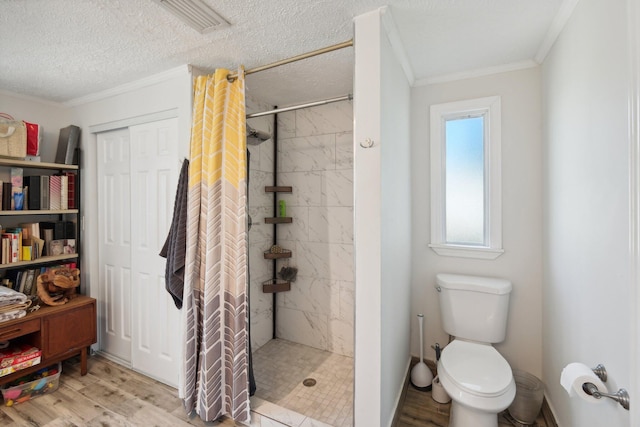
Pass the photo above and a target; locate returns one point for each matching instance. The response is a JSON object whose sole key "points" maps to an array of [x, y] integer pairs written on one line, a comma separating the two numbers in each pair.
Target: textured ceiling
{"points": [[61, 50]]}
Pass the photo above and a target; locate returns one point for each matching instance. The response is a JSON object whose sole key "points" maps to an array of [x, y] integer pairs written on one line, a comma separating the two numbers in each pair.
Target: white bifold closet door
{"points": [[139, 324]]}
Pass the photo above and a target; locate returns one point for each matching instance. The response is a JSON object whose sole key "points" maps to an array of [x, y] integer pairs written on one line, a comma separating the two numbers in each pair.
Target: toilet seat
{"points": [[476, 376], [476, 368]]}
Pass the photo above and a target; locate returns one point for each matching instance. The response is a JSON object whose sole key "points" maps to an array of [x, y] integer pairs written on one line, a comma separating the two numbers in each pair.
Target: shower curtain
{"points": [[215, 296]]}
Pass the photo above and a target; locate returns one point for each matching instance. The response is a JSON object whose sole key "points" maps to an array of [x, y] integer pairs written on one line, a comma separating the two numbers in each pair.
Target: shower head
{"points": [[256, 137]]}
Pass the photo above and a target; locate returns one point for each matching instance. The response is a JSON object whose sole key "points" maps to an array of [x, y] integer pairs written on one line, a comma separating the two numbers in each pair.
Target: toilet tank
{"points": [[474, 308]]}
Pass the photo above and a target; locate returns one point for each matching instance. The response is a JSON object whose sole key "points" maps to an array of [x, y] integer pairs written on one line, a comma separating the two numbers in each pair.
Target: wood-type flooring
{"points": [[112, 395]]}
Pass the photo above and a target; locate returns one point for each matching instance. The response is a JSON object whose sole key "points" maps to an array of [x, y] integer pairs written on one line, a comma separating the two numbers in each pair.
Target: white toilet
{"points": [[478, 379]]}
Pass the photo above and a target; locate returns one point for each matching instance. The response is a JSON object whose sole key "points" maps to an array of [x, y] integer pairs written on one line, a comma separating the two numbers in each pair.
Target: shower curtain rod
{"points": [[348, 97], [327, 49]]}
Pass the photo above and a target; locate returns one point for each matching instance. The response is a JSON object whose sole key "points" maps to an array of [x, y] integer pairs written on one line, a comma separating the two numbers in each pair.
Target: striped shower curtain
{"points": [[215, 295]]}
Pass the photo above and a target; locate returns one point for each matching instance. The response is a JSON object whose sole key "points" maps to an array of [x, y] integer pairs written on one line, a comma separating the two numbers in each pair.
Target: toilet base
{"points": [[464, 416]]}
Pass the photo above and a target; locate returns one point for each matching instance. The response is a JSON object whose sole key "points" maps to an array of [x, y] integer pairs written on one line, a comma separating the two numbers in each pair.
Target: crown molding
{"points": [[128, 87], [32, 99], [396, 43], [562, 17], [480, 72]]}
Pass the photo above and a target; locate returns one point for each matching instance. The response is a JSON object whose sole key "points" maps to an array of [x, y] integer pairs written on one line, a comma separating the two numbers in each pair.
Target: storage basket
{"points": [[528, 401], [13, 137], [41, 382]]}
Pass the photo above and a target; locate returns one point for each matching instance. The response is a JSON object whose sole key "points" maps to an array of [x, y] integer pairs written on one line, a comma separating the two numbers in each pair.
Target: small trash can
{"points": [[528, 400]]}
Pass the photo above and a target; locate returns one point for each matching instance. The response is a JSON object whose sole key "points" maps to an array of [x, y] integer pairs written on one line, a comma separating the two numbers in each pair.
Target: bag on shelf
{"points": [[13, 137], [34, 137]]}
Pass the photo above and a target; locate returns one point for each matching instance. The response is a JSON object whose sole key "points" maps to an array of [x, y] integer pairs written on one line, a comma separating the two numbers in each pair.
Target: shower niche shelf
{"points": [[272, 286], [278, 189], [275, 285], [279, 220], [277, 255]]}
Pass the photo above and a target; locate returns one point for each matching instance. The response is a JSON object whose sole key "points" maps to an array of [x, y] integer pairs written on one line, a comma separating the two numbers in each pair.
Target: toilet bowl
{"points": [[477, 377], [479, 381]]}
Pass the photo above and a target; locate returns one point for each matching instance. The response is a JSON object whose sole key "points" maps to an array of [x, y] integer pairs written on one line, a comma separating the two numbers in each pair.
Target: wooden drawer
{"points": [[18, 329]]}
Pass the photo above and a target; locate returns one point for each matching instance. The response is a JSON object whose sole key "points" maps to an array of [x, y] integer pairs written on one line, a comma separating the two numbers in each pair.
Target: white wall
{"points": [[51, 116], [168, 93], [315, 156], [396, 233], [382, 223], [587, 285], [521, 214]]}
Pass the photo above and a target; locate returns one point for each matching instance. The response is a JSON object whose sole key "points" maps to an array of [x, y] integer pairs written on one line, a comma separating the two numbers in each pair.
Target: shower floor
{"points": [[281, 366]]}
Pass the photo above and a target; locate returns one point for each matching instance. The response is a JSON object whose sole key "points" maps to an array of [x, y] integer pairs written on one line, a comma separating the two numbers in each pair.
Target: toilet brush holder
{"points": [[438, 393], [421, 376]]}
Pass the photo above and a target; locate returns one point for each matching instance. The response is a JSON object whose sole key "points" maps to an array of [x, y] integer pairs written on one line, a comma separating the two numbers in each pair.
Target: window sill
{"points": [[466, 251]]}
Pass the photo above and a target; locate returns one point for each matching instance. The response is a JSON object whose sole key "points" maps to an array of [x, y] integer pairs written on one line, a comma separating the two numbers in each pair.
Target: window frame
{"points": [[490, 108]]}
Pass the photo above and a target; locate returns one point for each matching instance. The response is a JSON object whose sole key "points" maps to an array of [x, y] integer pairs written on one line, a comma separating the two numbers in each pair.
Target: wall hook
{"points": [[367, 143]]}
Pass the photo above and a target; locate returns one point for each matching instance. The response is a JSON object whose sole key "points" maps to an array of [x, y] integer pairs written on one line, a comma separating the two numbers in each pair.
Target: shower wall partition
{"points": [[315, 157], [260, 234]]}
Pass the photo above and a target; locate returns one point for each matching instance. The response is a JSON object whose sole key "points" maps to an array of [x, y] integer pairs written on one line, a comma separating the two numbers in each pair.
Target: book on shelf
{"points": [[33, 197], [54, 192], [64, 192], [6, 248], [71, 189], [22, 280], [17, 237], [10, 247], [35, 246], [6, 196], [32, 229], [26, 252], [44, 192]]}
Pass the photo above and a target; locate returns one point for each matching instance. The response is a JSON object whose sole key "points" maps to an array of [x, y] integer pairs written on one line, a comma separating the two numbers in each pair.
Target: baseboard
{"points": [[432, 366], [547, 414], [403, 395]]}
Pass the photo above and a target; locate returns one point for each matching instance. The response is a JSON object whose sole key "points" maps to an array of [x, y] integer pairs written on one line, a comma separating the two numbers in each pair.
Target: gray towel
{"points": [[175, 246]]}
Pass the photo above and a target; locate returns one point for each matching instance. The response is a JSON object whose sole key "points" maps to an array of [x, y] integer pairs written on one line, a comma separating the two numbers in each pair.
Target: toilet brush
{"points": [[421, 376]]}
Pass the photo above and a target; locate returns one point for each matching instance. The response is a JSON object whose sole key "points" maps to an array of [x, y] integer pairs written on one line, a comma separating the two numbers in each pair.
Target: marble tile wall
{"points": [[315, 156], [260, 234]]}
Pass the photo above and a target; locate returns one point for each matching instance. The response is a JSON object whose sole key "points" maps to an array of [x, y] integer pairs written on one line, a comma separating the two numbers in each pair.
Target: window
{"points": [[465, 179]]}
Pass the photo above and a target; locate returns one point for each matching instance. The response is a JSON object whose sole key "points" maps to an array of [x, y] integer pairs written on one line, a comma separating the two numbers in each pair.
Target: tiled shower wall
{"points": [[260, 234], [315, 157]]}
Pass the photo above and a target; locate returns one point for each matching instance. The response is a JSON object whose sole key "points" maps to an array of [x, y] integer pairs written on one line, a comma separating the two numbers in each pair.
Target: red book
{"points": [[71, 189], [18, 353]]}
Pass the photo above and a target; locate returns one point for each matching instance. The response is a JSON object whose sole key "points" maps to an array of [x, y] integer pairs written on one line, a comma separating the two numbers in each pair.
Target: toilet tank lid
{"points": [[489, 285]]}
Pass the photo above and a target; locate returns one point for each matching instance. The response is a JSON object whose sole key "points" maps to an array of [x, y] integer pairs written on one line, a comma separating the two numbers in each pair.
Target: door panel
{"points": [[115, 244], [155, 165]]}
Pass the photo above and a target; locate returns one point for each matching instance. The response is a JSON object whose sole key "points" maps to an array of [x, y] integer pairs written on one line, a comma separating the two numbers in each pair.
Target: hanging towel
{"points": [[175, 246]]}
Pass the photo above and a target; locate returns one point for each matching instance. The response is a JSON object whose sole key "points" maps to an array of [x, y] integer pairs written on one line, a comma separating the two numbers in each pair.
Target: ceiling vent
{"points": [[195, 13]]}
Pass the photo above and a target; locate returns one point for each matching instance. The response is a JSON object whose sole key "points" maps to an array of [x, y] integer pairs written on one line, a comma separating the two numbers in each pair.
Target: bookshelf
{"points": [[14, 218], [61, 331]]}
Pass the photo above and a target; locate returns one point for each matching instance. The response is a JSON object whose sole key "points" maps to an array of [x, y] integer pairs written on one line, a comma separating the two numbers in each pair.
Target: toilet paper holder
{"points": [[621, 396]]}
